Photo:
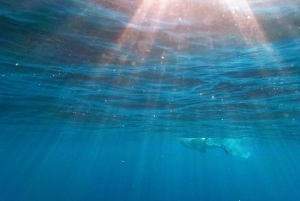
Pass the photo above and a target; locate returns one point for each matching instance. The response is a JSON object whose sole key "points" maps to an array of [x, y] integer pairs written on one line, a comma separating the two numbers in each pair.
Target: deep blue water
{"points": [[95, 95]]}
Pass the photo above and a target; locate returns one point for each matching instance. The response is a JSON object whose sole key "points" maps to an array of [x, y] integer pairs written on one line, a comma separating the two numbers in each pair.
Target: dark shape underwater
{"points": [[202, 144]]}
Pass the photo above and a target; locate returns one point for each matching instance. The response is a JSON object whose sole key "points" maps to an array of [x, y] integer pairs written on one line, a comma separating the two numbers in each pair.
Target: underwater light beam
{"points": [[246, 21], [149, 17], [144, 18], [249, 26]]}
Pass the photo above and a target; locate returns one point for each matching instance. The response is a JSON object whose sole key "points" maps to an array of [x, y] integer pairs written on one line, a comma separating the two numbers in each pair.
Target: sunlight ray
{"points": [[143, 19], [246, 21]]}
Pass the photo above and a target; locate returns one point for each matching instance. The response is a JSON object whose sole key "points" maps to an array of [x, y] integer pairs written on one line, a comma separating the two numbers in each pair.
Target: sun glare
{"points": [[151, 14], [178, 22]]}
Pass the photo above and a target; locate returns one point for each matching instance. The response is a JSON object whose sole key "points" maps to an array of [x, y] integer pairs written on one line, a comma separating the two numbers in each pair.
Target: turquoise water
{"points": [[95, 96]]}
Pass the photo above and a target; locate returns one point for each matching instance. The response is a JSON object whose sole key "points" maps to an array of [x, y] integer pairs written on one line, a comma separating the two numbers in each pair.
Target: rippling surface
{"points": [[160, 67], [147, 68]]}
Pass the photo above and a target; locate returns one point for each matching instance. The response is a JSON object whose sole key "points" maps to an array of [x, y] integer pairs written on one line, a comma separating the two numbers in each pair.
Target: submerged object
{"points": [[202, 144], [198, 144]]}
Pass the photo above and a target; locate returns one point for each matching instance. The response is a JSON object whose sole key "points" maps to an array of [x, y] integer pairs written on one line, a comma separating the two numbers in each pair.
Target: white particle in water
{"points": [[213, 97], [17, 64]]}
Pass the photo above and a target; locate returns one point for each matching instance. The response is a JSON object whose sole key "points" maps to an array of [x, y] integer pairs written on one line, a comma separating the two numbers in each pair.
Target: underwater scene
{"points": [[120, 100]]}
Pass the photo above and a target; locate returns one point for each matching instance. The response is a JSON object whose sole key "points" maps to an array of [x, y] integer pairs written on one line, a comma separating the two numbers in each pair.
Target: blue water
{"points": [[95, 95]]}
